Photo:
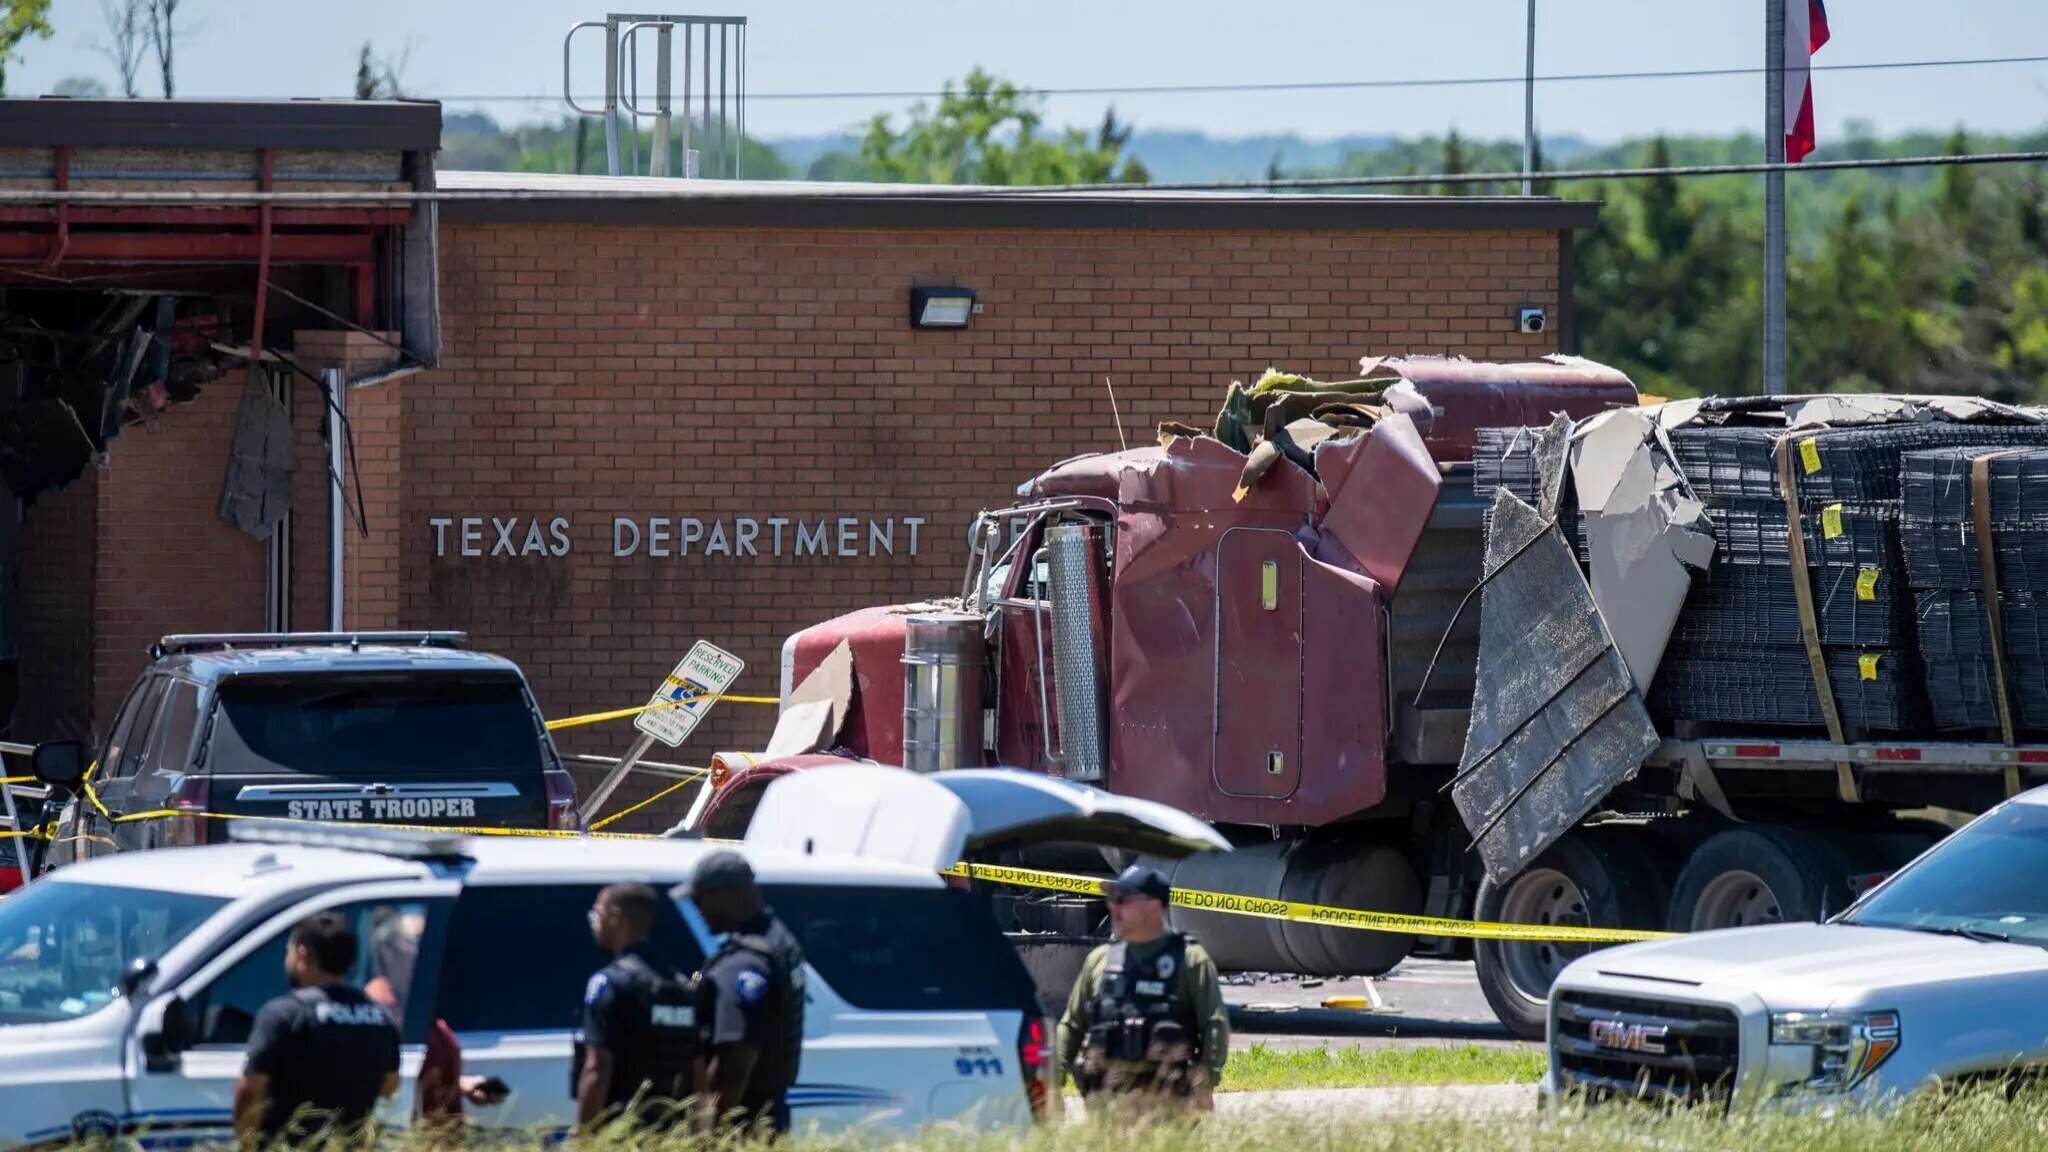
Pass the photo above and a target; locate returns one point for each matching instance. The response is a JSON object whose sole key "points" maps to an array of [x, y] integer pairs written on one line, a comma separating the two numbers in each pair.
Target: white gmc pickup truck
{"points": [[1938, 974]]}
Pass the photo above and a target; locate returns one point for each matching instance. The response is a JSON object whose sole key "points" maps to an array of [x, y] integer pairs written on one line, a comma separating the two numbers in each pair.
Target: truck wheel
{"points": [[1583, 880], [1758, 874]]}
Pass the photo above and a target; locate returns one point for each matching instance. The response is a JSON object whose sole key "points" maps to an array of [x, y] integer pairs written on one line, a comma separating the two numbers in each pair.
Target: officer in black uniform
{"points": [[1146, 1020], [321, 1055], [750, 1001], [638, 1046]]}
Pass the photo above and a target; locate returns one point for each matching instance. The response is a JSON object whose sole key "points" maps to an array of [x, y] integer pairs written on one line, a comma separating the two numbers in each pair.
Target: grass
{"points": [[1978, 1122], [1259, 1068]]}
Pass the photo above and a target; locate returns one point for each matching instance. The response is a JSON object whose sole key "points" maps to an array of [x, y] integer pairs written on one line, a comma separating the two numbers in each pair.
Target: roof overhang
{"points": [[381, 125], [506, 197]]}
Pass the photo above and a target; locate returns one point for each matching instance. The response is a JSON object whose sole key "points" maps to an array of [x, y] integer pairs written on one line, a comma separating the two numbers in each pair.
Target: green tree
{"points": [[1538, 186], [1957, 182], [989, 131], [1453, 165], [1667, 218], [19, 20]]}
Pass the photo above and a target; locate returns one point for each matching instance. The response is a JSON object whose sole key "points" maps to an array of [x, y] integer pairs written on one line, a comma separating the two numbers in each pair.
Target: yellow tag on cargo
{"points": [[1809, 455], [1867, 665], [1830, 519], [1866, 584]]}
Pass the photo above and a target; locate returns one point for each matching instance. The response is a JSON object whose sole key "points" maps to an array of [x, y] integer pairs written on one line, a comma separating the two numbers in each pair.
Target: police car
{"points": [[377, 727], [128, 984]]}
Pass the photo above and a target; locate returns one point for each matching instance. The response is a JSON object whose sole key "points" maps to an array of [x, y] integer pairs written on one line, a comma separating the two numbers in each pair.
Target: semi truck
{"points": [[1281, 624]]}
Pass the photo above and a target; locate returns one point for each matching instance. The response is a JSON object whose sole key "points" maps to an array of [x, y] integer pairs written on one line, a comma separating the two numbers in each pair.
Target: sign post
{"points": [[673, 712]]}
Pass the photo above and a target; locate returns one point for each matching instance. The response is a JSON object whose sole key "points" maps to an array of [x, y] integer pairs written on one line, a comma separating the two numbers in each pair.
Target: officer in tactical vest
{"points": [[750, 1002], [638, 1046], [1146, 1020]]}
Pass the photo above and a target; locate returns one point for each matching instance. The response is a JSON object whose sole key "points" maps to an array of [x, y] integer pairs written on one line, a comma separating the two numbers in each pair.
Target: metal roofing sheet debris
{"points": [[1644, 531], [1556, 719]]}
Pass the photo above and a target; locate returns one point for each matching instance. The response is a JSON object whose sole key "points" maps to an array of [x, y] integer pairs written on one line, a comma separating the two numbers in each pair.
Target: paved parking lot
{"points": [[1427, 1002]]}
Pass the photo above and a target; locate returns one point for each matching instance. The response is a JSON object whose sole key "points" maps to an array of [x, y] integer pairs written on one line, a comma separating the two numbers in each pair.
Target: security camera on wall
{"points": [[1533, 321]]}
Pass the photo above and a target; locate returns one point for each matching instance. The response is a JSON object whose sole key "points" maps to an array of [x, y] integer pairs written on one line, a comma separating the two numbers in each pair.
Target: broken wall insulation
{"points": [[258, 491], [89, 366]]}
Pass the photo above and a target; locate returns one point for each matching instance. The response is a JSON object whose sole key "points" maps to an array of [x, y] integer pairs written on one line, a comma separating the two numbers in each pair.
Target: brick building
{"points": [[704, 413]]}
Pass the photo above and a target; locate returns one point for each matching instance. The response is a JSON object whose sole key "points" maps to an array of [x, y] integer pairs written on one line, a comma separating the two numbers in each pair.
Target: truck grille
{"points": [[1634, 1048]]}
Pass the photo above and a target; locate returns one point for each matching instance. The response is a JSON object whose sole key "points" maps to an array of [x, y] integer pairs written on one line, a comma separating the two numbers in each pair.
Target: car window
{"points": [[124, 720], [389, 725], [518, 956], [171, 749], [64, 945], [1984, 879], [391, 936], [141, 732], [904, 949]]}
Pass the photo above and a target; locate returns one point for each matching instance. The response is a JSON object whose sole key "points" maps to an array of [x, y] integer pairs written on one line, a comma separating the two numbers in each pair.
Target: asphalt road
{"points": [[1427, 1002]]}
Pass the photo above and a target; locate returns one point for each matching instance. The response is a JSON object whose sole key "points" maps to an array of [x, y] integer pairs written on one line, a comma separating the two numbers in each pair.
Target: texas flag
{"points": [[1806, 29]]}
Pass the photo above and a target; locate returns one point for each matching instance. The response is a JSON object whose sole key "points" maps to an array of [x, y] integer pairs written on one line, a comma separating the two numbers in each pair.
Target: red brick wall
{"points": [[58, 545], [166, 560], [369, 561], [370, 564], [595, 371]]}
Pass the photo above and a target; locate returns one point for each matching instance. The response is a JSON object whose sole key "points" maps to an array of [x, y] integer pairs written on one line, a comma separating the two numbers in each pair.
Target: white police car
{"points": [[128, 984]]}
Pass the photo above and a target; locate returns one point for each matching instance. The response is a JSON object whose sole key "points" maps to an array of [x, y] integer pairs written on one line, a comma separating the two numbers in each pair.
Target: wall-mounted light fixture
{"points": [[941, 307]]}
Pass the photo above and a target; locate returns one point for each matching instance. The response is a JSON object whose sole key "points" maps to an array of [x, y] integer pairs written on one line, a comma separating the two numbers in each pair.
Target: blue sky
{"points": [[278, 48]]}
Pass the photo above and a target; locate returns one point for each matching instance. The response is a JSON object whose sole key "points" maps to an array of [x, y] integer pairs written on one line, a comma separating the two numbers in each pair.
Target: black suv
{"points": [[371, 727]]}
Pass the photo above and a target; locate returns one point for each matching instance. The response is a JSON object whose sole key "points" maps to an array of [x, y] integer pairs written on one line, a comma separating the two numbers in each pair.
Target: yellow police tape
{"points": [[1225, 902], [1231, 903], [1267, 909], [623, 713], [695, 775]]}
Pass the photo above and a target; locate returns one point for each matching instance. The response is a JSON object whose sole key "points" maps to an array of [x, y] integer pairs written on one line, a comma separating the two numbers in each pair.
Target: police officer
{"points": [[321, 1055], [750, 1001], [638, 1044], [1146, 1018]]}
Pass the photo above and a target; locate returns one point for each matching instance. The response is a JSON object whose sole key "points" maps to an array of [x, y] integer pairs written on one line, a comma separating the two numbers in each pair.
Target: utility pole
{"points": [[1774, 198], [1529, 109]]}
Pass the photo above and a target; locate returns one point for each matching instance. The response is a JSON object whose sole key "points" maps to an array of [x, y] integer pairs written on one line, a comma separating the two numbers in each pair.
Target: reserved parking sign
{"points": [[689, 692]]}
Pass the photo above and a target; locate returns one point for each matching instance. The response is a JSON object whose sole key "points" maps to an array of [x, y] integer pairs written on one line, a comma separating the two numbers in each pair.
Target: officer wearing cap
{"points": [[638, 1045], [750, 1001], [1146, 1019]]}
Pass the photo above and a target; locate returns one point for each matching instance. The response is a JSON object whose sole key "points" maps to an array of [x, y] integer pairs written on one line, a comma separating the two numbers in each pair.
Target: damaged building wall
{"points": [[369, 564], [59, 540], [137, 549], [598, 371], [166, 561]]}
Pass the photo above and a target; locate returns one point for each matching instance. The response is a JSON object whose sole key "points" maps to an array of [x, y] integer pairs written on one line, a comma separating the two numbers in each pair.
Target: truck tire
{"points": [[1586, 879], [1758, 874]]}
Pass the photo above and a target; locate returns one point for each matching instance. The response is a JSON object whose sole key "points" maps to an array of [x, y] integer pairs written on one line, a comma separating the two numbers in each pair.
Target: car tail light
{"points": [[720, 773], [189, 800], [1034, 1056], [561, 793]]}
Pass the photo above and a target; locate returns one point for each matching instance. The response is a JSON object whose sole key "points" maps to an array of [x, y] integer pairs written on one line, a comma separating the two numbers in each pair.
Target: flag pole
{"points": [[1529, 109], [1774, 197]]}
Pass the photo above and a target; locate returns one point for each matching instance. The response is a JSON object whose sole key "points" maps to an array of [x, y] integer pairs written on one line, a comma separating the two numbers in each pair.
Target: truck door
{"points": [[1256, 738], [191, 1092]]}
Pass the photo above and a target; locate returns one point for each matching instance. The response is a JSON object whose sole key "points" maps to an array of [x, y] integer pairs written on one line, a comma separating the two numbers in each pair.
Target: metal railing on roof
{"points": [[708, 43]]}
